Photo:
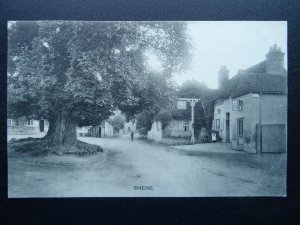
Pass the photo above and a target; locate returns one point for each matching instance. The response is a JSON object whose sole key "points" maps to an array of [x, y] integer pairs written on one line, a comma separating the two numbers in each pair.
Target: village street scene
{"points": [[146, 109]]}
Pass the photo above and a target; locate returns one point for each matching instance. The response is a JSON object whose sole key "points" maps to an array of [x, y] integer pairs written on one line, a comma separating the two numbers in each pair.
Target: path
{"points": [[169, 171]]}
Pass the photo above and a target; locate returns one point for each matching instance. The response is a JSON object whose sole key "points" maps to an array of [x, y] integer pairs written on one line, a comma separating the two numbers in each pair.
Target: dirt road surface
{"points": [[125, 166]]}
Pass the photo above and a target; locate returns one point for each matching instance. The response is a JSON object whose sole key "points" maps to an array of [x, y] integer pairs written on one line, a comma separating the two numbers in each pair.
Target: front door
{"points": [[42, 125], [240, 133], [227, 127], [100, 132]]}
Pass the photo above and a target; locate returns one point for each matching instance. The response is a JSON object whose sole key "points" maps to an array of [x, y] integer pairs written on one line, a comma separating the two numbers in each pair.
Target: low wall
{"points": [[11, 130], [177, 134], [175, 141]]}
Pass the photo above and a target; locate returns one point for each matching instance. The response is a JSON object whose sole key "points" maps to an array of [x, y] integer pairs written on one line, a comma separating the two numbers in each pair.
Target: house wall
{"points": [[173, 134], [155, 134], [129, 127], [108, 130], [82, 131], [21, 126], [265, 109], [274, 109], [175, 129], [250, 114]]}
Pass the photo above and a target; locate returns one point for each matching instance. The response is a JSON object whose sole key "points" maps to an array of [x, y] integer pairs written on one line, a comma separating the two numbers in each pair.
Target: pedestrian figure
{"points": [[214, 137], [131, 136]]}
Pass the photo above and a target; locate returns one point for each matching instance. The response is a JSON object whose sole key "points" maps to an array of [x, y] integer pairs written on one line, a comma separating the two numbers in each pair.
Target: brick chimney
{"points": [[275, 61], [223, 76]]}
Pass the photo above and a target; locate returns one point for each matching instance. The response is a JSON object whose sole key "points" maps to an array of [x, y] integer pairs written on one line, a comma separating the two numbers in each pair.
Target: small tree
{"points": [[117, 121], [144, 122]]}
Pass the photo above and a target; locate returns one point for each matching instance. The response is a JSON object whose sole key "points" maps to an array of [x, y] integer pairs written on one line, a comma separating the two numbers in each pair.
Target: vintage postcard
{"points": [[147, 109]]}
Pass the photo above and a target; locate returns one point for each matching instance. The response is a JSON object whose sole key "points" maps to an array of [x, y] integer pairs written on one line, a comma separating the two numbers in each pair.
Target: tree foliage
{"points": [[117, 121], [159, 94], [80, 72], [144, 122]]}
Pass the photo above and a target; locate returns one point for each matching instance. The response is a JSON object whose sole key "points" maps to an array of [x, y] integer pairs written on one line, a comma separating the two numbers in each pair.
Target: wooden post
{"points": [[193, 127], [193, 102]]}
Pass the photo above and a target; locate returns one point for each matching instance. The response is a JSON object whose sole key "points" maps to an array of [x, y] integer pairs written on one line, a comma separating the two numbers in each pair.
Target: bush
{"points": [[144, 122], [165, 116]]}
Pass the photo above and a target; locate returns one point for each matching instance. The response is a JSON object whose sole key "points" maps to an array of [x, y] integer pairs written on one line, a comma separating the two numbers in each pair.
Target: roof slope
{"points": [[255, 80]]}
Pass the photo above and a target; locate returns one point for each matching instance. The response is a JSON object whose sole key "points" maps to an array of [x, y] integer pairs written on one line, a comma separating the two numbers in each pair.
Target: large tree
{"points": [[78, 73]]}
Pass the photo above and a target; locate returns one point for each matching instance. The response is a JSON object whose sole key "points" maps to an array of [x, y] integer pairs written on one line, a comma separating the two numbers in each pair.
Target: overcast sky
{"points": [[238, 45]]}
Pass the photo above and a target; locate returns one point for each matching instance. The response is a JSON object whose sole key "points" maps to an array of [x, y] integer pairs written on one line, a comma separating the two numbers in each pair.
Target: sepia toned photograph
{"points": [[147, 109]]}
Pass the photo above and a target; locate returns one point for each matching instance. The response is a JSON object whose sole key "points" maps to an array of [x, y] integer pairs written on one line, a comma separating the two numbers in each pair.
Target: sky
{"points": [[237, 45]]}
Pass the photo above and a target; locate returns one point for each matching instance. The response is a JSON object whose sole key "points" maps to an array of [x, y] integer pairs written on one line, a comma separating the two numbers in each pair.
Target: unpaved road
{"points": [[169, 171]]}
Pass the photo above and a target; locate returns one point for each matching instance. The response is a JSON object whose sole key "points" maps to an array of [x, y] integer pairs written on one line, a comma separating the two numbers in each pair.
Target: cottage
{"points": [[129, 127], [176, 132], [251, 113], [174, 127], [26, 126], [105, 129]]}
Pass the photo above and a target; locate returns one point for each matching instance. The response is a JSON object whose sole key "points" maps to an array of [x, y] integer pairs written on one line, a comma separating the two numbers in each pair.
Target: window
{"points": [[240, 127], [186, 125], [234, 105], [217, 124], [28, 122], [240, 104], [219, 111], [9, 122]]}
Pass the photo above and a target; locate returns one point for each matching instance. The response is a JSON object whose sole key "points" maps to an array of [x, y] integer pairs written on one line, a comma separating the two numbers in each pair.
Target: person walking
{"points": [[131, 136]]}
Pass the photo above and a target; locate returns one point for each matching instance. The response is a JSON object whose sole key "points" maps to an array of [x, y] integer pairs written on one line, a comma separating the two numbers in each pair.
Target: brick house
{"points": [[251, 113]]}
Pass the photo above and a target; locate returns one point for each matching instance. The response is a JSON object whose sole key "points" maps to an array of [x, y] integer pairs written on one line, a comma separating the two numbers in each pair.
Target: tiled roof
{"points": [[255, 80]]}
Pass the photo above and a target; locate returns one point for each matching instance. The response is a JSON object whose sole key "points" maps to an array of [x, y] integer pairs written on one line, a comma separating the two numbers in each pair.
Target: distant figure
{"points": [[131, 136], [214, 137]]}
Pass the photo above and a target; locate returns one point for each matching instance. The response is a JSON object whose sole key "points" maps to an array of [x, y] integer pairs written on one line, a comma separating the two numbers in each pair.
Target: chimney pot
{"points": [[223, 76], [275, 61]]}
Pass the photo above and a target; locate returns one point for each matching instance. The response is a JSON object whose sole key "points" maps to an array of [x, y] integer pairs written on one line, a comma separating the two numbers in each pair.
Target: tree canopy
{"points": [[80, 72]]}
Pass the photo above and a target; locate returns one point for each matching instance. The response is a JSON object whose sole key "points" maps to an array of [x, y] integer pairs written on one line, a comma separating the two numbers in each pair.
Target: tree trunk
{"points": [[63, 132], [51, 128]]}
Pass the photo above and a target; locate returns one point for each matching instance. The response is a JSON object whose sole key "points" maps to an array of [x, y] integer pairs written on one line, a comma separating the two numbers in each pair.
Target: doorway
{"points": [[240, 133], [227, 127], [42, 126], [99, 134]]}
